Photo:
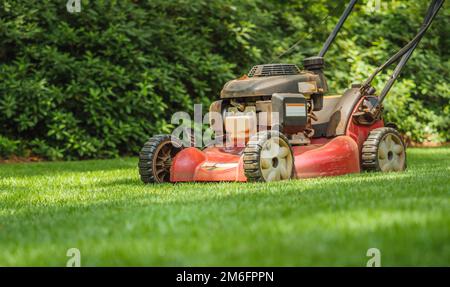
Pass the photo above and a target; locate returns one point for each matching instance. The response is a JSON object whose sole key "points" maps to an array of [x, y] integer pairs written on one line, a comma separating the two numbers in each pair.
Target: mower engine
{"points": [[273, 96]]}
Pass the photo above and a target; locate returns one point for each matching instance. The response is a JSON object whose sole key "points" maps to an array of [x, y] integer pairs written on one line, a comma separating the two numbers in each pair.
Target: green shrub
{"points": [[99, 82], [9, 147]]}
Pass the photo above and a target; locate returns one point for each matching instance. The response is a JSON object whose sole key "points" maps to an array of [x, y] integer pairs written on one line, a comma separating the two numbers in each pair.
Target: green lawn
{"points": [[101, 208]]}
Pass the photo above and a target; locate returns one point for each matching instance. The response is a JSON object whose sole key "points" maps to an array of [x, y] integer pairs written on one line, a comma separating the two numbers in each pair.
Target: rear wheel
{"points": [[268, 157], [155, 159], [384, 150]]}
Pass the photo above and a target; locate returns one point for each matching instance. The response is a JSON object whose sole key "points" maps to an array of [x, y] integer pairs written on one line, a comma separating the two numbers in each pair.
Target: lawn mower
{"points": [[307, 131]]}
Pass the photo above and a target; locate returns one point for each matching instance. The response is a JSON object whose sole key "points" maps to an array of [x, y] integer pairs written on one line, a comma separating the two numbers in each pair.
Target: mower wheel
{"points": [[268, 157], [384, 150], [155, 159]]}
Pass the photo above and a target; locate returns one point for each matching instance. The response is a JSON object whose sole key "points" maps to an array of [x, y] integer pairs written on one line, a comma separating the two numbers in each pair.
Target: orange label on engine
{"points": [[295, 105], [295, 109]]}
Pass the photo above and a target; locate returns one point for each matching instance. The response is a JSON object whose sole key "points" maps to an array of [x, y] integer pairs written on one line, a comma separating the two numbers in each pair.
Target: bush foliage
{"points": [[99, 82]]}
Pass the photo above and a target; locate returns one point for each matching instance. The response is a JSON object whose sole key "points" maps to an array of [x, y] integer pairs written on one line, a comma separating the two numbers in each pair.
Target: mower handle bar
{"points": [[404, 53], [336, 29]]}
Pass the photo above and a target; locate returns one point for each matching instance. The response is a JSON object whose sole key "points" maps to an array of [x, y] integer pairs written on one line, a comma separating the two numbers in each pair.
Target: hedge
{"points": [[98, 83]]}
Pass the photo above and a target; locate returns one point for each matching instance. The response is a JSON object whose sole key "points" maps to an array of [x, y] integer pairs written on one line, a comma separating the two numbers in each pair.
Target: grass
{"points": [[101, 208]]}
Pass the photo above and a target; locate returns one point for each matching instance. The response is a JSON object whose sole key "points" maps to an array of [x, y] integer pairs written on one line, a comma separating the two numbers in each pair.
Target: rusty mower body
{"points": [[289, 126]]}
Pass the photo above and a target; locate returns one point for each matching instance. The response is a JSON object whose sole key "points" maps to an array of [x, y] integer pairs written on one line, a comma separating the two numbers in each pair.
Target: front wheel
{"points": [[155, 159], [268, 157], [384, 150]]}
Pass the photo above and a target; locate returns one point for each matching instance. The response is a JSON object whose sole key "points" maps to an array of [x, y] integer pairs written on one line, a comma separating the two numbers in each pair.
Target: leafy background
{"points": [[100, 82]]}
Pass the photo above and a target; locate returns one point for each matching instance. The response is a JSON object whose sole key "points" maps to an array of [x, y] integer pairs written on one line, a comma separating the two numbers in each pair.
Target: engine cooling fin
{"points": [[268, 70]]}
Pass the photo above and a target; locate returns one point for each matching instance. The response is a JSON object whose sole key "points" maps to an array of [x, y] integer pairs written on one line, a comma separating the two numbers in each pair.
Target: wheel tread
{"points": [[252, 154], [369, 151], [146, 156]]}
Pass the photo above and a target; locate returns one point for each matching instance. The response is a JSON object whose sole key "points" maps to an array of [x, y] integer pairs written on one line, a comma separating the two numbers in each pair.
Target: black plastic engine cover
{"points": [[292, 110]]}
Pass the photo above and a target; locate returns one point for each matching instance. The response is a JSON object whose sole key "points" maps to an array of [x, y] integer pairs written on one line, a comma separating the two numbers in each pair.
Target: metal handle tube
{"points": [[407, 50], [336, 29], [431, 13]]}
